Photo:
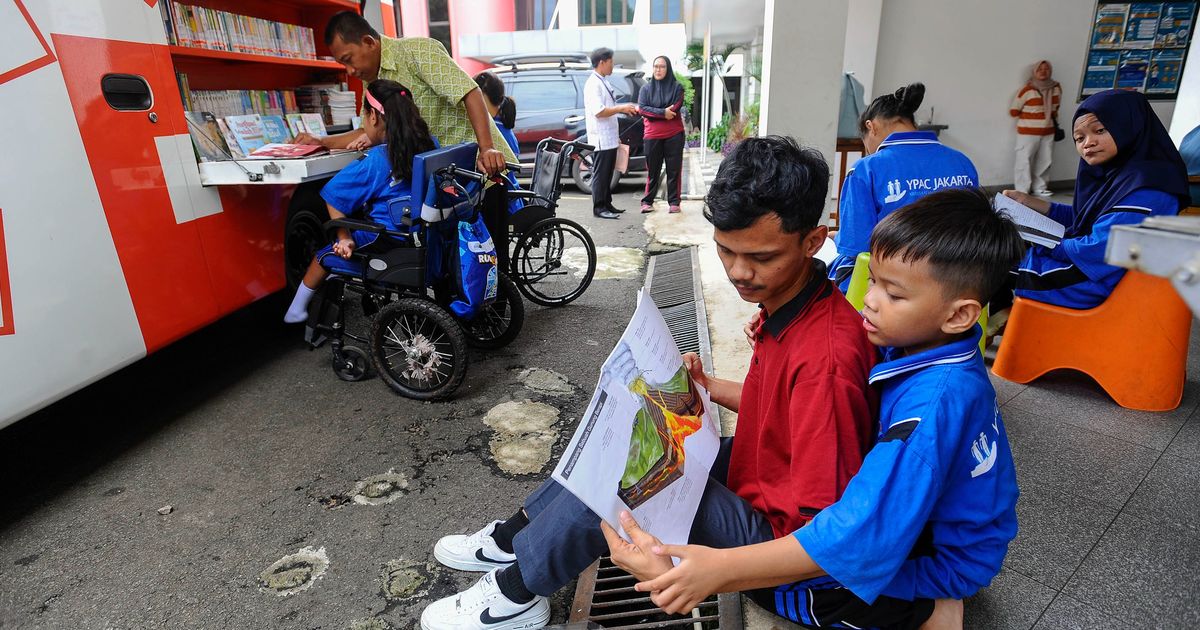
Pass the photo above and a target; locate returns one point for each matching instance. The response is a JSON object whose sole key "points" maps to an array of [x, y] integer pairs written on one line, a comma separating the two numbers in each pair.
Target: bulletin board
{"points": [[1138, 46]]}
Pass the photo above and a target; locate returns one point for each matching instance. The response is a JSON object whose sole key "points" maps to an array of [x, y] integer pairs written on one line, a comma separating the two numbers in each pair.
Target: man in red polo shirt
{"points": [[806, 415]]}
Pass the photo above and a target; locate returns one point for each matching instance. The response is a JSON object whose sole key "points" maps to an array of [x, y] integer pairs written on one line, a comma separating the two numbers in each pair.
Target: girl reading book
{"points": [[364, 187], [1128, 169]]}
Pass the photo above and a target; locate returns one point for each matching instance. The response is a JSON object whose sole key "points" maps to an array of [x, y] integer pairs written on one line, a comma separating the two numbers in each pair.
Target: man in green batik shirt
{"points": [[448, 97], [449, 100]]}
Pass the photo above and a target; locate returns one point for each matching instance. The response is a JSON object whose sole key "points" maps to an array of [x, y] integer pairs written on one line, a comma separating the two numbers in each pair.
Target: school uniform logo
{"points": [[983, 450], [894, 192]]}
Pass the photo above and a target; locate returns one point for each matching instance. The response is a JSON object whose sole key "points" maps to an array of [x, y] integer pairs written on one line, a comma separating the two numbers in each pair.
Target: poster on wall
{"points": [[1131, 71], [1166, 67], [1141, 28], [1109, 28], [1139, 46], [1101, 71], [1175, 25]]}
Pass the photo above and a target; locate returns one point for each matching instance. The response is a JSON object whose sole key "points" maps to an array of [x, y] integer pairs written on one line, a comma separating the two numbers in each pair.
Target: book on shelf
{"points": [[295, 123], [201, 27], [207, 137], [284, 151], [314, 124], [247, 131], [1034, 226], [275, 130], [239, 102], [230, 139]]}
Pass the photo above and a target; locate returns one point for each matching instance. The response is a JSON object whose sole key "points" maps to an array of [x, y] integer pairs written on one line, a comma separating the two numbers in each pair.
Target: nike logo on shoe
{"points": [[479, 556], [487, 619]]}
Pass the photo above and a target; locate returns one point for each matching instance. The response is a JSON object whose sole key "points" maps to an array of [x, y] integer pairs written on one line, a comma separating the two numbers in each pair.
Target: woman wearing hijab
{"points": [[1036, 109], [659, 103], [1128, 169]]}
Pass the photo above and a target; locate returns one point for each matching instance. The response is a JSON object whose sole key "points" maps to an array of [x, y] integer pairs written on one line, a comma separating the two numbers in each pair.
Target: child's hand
{"points": [[697, 576], [360, 143], [635, 558], [344, 247], [695, 368]]}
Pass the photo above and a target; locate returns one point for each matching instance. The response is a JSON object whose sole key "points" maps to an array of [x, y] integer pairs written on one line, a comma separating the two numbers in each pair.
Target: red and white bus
{"points": [[114, 240]]}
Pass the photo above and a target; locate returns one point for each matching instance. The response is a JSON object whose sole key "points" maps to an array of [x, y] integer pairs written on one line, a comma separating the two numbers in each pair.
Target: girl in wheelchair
{"points": [[394, 126]]}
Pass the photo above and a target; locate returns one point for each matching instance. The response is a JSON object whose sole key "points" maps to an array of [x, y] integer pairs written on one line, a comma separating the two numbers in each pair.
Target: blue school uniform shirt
{"points": [[941, 471], [907, 166], [367, 183], [509, 136], [1074, 274]]}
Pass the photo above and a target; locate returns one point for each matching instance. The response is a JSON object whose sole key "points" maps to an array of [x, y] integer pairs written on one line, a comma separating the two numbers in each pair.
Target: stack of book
{"points": [[336, 106], [199, 27]]}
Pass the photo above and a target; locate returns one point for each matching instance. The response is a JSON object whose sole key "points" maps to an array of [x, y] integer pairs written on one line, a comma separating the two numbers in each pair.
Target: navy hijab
{"points": [[661, 94], [1146, 158]]}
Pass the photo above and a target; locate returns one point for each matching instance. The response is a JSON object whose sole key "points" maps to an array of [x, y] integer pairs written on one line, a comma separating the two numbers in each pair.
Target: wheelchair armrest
{"points": [[527, 195], [354, 224]]}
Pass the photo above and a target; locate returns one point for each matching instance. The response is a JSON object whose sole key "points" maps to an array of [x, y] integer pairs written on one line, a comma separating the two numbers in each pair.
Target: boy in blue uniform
{"points": [[933, 508]]}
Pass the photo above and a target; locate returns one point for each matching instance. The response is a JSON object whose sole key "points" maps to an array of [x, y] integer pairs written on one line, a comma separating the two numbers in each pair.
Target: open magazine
{"points": [[648, 437], [279, 150], [1034, 226]]}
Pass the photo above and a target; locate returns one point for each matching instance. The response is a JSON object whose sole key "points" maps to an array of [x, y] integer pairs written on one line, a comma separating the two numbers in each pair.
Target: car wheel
{"points": [[582, 174]]}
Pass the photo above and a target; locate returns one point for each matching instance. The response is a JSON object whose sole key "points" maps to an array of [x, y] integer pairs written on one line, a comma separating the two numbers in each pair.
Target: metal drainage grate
{"points": [[604, 596]]}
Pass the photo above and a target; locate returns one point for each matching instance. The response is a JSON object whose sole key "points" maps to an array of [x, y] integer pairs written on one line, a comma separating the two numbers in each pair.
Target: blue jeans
{"points": [[563, 535]]}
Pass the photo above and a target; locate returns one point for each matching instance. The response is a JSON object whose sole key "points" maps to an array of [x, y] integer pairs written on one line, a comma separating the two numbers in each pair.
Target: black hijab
{"points": [[661, 94], [1146, 158]]}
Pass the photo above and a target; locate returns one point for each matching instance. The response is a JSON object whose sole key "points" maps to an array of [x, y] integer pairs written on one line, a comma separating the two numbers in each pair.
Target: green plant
{"points": [[718, 133], [689, 92]]}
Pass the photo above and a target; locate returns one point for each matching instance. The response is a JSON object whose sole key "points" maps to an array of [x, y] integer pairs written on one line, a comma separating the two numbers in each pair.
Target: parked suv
{"points": [[548, 90]]}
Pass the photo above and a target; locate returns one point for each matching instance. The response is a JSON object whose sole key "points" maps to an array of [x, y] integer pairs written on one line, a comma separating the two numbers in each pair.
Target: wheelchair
{"points": [[552, 260], [410, 288]]}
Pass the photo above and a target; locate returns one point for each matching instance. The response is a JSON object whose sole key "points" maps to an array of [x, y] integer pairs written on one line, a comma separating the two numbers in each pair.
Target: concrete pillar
{"points": [[862, 42], [803, 51]]}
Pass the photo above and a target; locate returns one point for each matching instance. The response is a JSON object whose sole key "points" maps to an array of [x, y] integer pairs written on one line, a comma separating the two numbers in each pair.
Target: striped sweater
{"points": [[1030, 111]]}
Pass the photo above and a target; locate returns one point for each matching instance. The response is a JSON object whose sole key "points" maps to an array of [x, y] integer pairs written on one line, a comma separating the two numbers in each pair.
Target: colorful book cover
{"points": [[295, 123], [275, 129], [206, 136], [230, 139], [248, 131], [272, 151], [314, 124]]}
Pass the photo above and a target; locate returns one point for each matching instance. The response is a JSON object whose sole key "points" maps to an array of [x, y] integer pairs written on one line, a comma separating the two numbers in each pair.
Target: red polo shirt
{"points": [[807, 416]]}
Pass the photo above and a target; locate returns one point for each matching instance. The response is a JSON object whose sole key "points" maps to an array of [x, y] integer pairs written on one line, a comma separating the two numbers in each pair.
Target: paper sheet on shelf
{"points": [[649, 435], [1034, 226]]}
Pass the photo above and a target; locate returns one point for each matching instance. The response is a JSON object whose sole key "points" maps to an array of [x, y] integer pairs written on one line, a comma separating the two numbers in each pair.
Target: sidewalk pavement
{"points": [[699, 169]]}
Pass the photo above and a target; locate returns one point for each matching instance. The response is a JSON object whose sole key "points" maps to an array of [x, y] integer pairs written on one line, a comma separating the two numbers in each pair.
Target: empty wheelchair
{"points": [[552, 259], [421, 287]]}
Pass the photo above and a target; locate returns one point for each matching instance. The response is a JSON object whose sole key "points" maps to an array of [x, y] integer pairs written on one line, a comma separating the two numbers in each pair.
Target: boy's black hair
{"points": [[970, 247], [901, 104], [765, 175], [600, 55], [350, 26]]}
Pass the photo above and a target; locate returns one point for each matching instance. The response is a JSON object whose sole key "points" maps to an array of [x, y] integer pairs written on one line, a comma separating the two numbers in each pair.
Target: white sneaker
{"points": [[1044, 193], [482, 607], [477, 552]]}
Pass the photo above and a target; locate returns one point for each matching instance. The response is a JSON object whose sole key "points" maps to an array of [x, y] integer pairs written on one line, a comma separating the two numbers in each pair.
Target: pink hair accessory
{"points": [[372, 101]]}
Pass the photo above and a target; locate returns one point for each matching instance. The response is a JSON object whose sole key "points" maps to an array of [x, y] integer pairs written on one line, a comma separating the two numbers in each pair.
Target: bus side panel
{"points": [[244, 243], [160, 250]]}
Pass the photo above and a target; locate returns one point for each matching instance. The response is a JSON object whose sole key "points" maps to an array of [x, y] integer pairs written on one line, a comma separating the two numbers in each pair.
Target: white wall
{"points": [[862, 42], [1188, 105], [973, 55]]}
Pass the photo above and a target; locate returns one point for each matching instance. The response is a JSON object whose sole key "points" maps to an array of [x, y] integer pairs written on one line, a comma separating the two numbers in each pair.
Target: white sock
{"points": [[298, 311]]}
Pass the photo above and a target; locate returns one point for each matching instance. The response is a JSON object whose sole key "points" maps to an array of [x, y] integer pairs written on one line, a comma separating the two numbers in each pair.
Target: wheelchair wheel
{"points": [[554, 261], [499, 322], [418, 349], [352, 364]]}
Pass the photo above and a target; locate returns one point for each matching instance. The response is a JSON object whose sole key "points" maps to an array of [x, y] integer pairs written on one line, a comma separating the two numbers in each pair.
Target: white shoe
{"points": [[1044, 193], [484, 607], [477, 552]]}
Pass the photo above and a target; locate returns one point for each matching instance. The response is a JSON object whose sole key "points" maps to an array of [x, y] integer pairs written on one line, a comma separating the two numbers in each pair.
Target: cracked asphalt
{"points": [[261, 453]]}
